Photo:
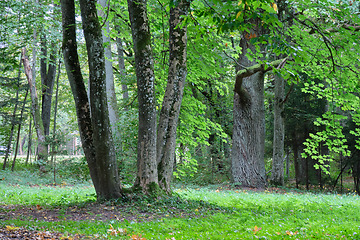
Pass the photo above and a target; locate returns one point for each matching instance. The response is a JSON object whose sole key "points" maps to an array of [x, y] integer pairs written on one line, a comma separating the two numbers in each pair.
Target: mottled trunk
{"points": [[47, 71], [147, 175], [170, 110], [277, 172], [35, 110], [95, 128], [248, 167], [110, 86]]}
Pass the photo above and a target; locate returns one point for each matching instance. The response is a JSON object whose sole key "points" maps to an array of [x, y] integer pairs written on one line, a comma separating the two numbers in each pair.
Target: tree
{"points": [[110, 87], [147, 175], [94, 126], [35, 109], [170, 110], [47, 71], [247, 160]]}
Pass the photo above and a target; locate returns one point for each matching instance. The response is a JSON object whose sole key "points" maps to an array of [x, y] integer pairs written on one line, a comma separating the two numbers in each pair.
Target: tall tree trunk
{"points": [[170, 110], [35, 108], [277, 173], [147, 175], [95, 128], [53, 147], [47, 71], [247, 160], [121, 60], [110, 86]]}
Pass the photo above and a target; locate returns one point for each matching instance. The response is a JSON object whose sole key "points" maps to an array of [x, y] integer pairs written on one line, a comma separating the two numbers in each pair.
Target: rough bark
{"points": [[110, 86], [94, 129], [35, 109], [277, 172], [147, 175], [248, 167], [170, 110]]}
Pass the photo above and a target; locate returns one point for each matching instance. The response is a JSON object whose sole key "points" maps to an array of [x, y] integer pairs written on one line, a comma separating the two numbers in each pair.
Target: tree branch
{"points": [[247, 72]]}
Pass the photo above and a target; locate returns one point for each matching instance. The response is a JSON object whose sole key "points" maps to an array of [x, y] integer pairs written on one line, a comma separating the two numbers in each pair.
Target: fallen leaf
{"points": [[256, 229], [11, 228]]}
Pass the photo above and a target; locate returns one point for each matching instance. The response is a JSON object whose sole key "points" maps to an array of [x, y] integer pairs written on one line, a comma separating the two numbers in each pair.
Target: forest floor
{"points": [[93, 211]]}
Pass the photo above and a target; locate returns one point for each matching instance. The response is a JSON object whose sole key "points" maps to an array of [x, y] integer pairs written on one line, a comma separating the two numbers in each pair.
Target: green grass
{"points": [[230, 214]]}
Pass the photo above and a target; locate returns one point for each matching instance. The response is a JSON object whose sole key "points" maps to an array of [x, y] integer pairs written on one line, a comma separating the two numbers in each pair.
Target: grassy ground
{"points": [[216, 212]]}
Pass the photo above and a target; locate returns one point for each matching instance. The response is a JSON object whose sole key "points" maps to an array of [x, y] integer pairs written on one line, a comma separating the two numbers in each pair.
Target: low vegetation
{"points": [[31, 202]]}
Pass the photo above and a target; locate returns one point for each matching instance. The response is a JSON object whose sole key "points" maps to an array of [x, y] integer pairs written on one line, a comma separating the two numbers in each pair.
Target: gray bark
{"points": [[170, 110], [248, 167], [110, 86], [94, 129], [147, 174], [35, 109], [277, 172]]}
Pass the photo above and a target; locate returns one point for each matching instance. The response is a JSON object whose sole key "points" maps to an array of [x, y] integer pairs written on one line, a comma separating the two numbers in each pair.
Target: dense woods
{"points": [[252, 93]]}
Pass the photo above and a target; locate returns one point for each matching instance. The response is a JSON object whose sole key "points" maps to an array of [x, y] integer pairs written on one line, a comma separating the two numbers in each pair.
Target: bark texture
{"points": [[94, 127], [35, 108], [147, 174], [248, 167], [170, 110], [277, 172]]}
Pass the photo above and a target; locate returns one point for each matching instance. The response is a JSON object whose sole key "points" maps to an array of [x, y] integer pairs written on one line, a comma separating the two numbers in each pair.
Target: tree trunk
{"points": [[277, 173], [13, 122], [35, 108], [95, 128], [29, 143], [54, 144], [147, 175], [120, 50], [110, 86], [248, 167], [170, 110], [47, 71], [19, 129]]}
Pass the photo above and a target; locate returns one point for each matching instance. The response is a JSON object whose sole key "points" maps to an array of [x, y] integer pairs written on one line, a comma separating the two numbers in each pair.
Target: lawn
{"points": [[214, 212]]}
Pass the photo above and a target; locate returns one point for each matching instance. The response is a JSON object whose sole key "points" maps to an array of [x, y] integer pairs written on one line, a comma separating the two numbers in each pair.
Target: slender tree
{"points": [[35, 108], [170, 110], [110, 86], [277, 172]]}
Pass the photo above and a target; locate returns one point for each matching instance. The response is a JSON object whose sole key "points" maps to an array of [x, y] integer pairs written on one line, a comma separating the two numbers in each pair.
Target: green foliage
{"points": [[127, 145], [187, 167]]}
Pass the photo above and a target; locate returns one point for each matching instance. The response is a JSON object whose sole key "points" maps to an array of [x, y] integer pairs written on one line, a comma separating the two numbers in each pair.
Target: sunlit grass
{"points": [[247, 214]]}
